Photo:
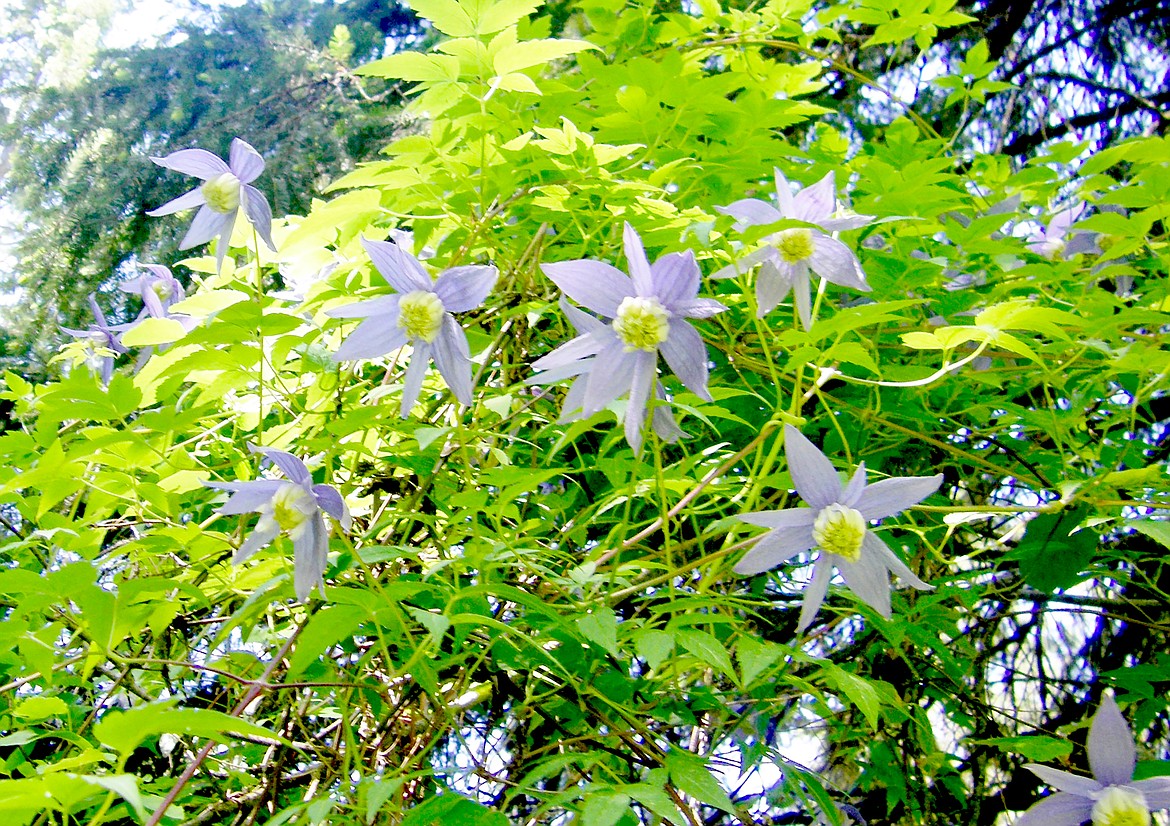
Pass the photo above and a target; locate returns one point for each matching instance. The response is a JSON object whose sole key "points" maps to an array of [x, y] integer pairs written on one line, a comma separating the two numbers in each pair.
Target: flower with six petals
{"points": [[836, 523], [418, 314], [647, 312], [294, 505], [1111, 797], [789, 255], [226, 187], [663, 421]]}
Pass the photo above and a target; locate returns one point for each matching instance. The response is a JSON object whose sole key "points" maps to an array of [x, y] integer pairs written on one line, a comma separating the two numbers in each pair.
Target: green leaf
{"points": [[124, 731], [1156, 529], [379, 792], [1151, 768], [326, 628], [755, 657], [495, 16], [207, 302], [529, 53], [17, 387], [123, 785], [1033, 747], [600, 626], [654, 646], [603, 808], [436, 624], [448, 16], [690, 774], [707, 648], [415, 66], [517, 82], [40, 708], [858, 690], [1051, 556], [152, 331], [426, 436], [453, 810]]}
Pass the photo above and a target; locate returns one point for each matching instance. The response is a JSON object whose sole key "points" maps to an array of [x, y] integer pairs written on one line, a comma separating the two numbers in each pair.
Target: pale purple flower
{"points": [[648, 308], [157, 288], [159, 291], [226, 187], [665, 425], [788, 255], [837, 523], [1111, 797], [103, 340], [418, 314], [1054, 241], [294, 505]]}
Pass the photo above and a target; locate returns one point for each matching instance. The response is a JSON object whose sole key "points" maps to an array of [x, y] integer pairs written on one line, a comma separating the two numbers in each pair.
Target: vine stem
{"points": [[259, 339], [251, 694]]}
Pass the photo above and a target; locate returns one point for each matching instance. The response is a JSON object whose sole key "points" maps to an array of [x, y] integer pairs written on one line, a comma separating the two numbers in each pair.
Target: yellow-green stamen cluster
{"points": [[641, 323], [840, 530], [292, 505], [222, 193], [795, 245], [1121, 806], [420, 315], [162, 288]]}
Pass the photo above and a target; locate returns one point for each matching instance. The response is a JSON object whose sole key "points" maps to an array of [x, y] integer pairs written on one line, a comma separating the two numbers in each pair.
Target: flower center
{"points": [[162, 288], [1121, 806], [641, 324], [839, 530], [222, 193], [292, 505], [795, 245], [420, 315]]}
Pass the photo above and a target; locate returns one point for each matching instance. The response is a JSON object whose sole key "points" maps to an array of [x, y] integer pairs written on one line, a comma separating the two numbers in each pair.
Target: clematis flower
{"points": [[294, 505], [418, 314], [836, 523], [648, 308], [226, 187], [665, 425], [1111, 797], [158, 289], [789, 254], [103, 342], [1054, 241]]}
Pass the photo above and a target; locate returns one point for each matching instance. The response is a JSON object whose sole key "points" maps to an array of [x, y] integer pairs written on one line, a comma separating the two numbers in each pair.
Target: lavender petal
{"points": [[592, 284], [675, 279], [1112, 755], [374, 337], [891, 496], [686, 355], [290, 465], [245, 162], [188, 200], [401, 270], [197, 162], [453, 358], [640, 275], [1059, 809], [465, 288], [815, 479], [259, 213], [814, 594], [775, 548]]}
